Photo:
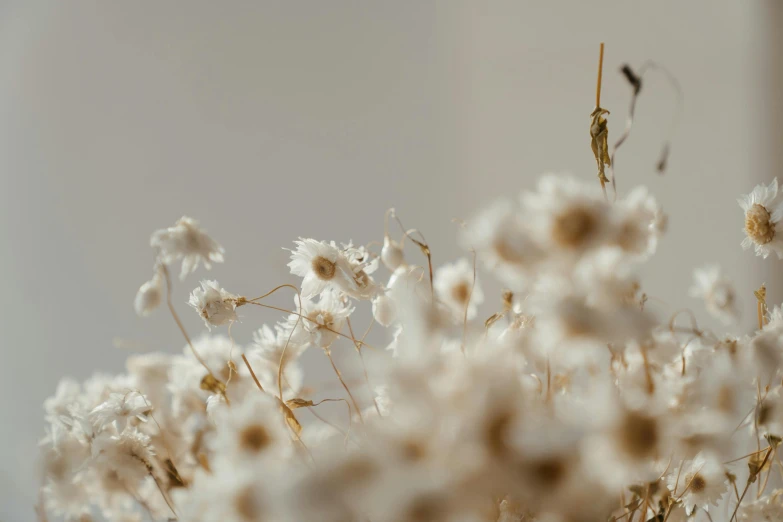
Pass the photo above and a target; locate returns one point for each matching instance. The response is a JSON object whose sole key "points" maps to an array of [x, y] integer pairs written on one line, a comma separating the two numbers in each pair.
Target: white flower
{"points": [[149, 296], [763, 212], [322, 265], [270, 349], [215, 305], [319, 322], [765, 509], [639, 222], [717, 292], [186, 241], [455, 288], [567, 216], [129, 454], [702, 484], [251, 429], [503, 244], [120, 407]]}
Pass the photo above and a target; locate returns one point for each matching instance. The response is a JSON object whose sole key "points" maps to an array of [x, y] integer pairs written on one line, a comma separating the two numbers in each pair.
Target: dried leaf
{"points": [[290, 418], [599, 141], [298, 403], [175, 480], [493, 319], [211, 383]]}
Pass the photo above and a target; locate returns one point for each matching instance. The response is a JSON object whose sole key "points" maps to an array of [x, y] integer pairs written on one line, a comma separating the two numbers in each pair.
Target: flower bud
{"points": [[391, 254]]}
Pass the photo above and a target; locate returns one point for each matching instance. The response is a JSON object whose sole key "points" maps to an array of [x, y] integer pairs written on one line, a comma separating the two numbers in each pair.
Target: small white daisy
{"points": [[319, 322], [322, 265], [186, 241], [717, 292], [271, 347], [214, 304], [702, 484], [763, 212], [503, 244], [455, 288], [251, 429], [566, 215], [639, 222]]}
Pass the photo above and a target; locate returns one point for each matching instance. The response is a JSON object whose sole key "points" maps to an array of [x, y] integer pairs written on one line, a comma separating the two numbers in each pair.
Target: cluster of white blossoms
{"points": [[572, 399]]}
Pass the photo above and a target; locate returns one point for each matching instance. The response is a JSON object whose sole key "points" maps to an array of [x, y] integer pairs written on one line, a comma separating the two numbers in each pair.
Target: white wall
{"points": [[270, 120]]}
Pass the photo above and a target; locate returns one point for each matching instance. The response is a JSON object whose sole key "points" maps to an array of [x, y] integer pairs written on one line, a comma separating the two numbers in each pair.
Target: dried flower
{"points": [[456, 289], [717, 292], [186, 241], [214, 304], [763, 211]]}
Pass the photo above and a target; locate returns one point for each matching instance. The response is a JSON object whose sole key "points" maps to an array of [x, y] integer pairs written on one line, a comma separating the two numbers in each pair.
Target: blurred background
{"points": [[272, 120]]}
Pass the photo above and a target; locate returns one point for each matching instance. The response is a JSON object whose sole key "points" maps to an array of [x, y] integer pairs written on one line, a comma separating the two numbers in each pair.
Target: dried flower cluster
{"points": [[576, 400]]}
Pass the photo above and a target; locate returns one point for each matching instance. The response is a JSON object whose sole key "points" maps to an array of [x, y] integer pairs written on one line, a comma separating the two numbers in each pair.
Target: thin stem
{"points": [[764, 486], [423, 246], [760, 316], [600, 74], [179, 323], [745, 456], [345, 434], [295, 289], [312, 321], [252, 373], [751, 479], [345, 386], [364, 366]]}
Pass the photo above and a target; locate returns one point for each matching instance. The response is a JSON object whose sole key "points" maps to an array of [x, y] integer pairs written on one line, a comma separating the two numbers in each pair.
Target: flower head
{"points": [[717, 292], [319, 322], [186, 241], [454, 286], [322, 265], [702, 484], [214, 304], [763, 212]]}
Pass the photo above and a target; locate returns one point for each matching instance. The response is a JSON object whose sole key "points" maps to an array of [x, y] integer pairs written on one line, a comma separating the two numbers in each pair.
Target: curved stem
{"points": [[345, 386], [179, 323]]}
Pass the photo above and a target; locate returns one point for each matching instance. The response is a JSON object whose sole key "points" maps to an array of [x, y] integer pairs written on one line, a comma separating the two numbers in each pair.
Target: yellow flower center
{"points": [[758, 226]]}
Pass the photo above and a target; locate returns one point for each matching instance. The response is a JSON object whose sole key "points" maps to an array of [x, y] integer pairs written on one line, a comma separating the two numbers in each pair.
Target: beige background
{"points": [[269, 120]]}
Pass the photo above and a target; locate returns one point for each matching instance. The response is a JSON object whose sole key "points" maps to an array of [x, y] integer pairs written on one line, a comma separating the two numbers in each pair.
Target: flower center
{"points": [[638, 435], [548, 471], [506, 252], [574, 227], [461, 292], [254, 438], [698, 484], [321, 319], [758, 226], [246, 506], [324, 268]]}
